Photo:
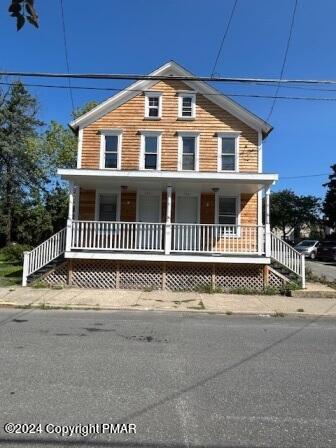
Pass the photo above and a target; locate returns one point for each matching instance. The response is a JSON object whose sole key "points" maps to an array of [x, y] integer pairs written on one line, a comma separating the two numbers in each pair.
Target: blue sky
{"points": [[139, 35]]}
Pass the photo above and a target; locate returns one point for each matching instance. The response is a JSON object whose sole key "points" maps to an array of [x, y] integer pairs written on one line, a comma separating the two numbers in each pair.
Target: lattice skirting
{"points": [[276, 280], [239, 276], [151, 275], [94, 274], [58, 275], [187, 276], [140, 276]]}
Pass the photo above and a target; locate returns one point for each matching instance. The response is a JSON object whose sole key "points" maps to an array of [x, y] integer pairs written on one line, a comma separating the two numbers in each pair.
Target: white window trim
{"points": [[103, 134], [149, 133], [193, 105], [238, 210], [182, 134], [151, 193], [234, 135], [107, 192], [156, 95]]}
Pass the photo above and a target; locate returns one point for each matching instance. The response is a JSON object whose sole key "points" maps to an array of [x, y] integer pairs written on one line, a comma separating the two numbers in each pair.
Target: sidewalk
{"points": [[164, 300]]}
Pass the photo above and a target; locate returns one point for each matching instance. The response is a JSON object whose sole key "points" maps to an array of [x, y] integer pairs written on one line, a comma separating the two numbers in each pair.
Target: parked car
{"points": [[308, 248], [326, 250]]}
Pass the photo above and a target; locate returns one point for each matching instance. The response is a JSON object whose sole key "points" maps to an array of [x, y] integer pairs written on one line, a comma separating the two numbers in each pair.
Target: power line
{"points": [[66, 54], [304, 176], [284, 59], [224, 37], [136, 77], [251, 95]]}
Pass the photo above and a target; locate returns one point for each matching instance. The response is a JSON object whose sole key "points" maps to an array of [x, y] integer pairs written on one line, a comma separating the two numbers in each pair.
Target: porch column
{"points": [[70, 218], [168, 227], [267, 223], [76, 202]]}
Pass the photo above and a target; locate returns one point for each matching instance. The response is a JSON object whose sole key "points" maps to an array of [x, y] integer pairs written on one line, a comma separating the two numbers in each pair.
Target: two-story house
{"points": [[167, 193]]}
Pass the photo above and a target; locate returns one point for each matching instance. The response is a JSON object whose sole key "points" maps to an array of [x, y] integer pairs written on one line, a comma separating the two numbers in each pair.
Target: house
{"points": [[167, 193]]}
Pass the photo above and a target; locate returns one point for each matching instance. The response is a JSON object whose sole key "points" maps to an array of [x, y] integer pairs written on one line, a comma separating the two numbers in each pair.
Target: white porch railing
{"points": [[286, 255], [43, 254], [150, 237], [117, 236], [218, 239]]}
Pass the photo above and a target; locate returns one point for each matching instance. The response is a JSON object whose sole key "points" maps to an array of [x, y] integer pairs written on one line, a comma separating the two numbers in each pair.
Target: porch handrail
{"points": [[289, 257], [218, 238], [117, 236], [43, 254]]}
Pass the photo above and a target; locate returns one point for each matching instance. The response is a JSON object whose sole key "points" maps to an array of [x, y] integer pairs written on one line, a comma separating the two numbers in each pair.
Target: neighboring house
{"points": [[167, 193], [314, 231]]}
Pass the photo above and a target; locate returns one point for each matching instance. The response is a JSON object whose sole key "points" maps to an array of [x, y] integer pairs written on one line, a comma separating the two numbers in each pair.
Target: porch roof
{"points": [[201, 181]]}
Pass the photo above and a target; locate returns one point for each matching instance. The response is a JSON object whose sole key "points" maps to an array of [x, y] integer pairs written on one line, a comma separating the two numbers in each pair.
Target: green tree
{"points": [[84, 109], [290, 211], [56, 206], [58, 144], [31, 224], [20, 164], [329, 203]]}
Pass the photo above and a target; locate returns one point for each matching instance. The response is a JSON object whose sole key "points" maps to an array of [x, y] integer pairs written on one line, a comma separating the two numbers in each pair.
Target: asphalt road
{"points": [[185, 380], [326, 268]]}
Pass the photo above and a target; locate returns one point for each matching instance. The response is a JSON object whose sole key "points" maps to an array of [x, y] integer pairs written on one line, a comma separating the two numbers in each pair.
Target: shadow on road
{"points": [[99, 443]]}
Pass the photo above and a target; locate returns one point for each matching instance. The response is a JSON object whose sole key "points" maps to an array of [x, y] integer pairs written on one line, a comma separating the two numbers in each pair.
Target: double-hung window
{"points": [[187, 105], [228, 214], [228, 152], [153, 105], [110, 151], [150, 150], [188, 157]]}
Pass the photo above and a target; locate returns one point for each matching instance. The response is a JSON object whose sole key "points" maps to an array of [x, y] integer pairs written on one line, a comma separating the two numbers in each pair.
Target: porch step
{"points": [[46, 268], [304, 294], [291, 276]]}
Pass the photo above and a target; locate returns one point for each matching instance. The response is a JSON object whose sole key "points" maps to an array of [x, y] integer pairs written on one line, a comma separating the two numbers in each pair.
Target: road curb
{"points": [[47, 307]]}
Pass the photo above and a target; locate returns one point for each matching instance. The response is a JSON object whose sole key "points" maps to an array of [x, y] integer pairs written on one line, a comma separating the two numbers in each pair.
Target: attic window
{"points": [[153, 105], [187, 105]]}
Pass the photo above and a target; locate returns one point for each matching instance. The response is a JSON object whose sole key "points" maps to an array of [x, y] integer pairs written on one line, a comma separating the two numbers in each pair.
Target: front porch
{"points": [[161, 216], [168, 228]]}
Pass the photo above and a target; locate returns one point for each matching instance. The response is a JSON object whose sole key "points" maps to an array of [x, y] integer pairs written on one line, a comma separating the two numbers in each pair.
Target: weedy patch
{"points": [[277, 314], [149, 289], [300, 310], [200, 306], [229, 313], [40, 284]]}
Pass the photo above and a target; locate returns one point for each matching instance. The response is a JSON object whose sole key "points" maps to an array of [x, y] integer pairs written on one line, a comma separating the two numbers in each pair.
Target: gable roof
{"points": [[172, 69]]}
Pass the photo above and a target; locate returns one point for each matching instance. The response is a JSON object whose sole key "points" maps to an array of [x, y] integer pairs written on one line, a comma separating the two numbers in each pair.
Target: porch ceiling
{"points": [[154, 180]]}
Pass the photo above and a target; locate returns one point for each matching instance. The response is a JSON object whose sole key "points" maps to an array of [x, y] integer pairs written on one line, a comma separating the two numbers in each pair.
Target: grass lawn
{"points": [[10, 274]]}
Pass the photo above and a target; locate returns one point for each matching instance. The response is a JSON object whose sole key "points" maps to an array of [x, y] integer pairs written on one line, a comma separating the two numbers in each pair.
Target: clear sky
{"points": [[139, 35]]}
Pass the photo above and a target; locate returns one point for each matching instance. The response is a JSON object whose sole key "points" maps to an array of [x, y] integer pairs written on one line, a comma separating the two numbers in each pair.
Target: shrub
{"points": [[13, 253], [288, 287]]}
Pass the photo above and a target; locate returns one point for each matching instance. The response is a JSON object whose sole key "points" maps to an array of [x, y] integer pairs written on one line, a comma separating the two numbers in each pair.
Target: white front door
{"points": [[149, 208], [149, 211], [186, 213], [187, 209]]}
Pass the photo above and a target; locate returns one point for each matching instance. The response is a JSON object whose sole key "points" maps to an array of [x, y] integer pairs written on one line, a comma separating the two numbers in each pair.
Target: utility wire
{"points": [[66, 54], [288, 97], [284, 59], [117, 76], [210, 94], [296, 87], [304, 176], [224, 37]]}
